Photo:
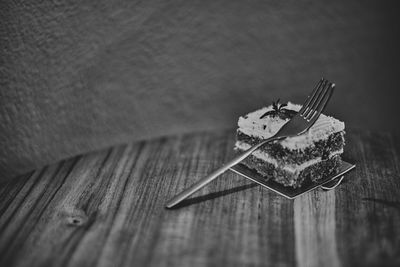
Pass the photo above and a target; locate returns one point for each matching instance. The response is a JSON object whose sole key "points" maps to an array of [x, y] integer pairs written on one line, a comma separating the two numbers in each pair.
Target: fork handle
{"points": [[199, 184]]}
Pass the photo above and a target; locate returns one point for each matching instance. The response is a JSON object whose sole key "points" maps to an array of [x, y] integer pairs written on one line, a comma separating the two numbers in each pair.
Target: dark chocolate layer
{"points": [[314, 172], [321, 148]]}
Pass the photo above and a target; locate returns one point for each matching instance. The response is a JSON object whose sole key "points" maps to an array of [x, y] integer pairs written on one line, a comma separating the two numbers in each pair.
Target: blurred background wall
{"points": [[77, 76]]}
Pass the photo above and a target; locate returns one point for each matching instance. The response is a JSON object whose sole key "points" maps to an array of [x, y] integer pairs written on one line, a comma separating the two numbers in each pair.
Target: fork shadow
{"points": [[210, 196]]}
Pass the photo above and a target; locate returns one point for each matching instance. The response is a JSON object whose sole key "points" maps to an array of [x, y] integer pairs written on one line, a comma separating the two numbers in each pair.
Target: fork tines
{"points": [[317, 101]]}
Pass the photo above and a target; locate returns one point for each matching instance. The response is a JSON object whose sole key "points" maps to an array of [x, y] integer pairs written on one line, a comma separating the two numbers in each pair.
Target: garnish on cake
{"points": [[279, 110], [294, 160]]}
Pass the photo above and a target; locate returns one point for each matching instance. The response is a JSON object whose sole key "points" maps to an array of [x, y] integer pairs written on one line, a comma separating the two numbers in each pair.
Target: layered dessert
{"points": [[294, 160]]}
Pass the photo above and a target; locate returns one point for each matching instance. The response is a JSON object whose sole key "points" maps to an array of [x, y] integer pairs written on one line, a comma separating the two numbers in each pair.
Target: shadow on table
{"points": [[210, 196], [392, 204]]}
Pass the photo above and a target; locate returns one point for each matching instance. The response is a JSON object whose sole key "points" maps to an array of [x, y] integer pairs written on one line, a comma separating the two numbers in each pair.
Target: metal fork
{"points": [[300, 123]]}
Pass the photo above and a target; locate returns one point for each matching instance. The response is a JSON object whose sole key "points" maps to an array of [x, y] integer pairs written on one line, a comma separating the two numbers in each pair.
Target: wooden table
{"points": [[107, 209]]}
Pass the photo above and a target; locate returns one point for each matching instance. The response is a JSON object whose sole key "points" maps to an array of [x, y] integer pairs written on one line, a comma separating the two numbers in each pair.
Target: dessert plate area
{"points": [[327, 183]]}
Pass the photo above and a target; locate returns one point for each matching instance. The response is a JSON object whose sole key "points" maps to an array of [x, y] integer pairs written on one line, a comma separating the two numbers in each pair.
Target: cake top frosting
{"points": [[253, 125]]}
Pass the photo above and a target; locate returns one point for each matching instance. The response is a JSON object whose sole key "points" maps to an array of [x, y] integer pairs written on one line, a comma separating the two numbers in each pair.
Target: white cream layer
{"points": [[252, 125], [293, 168]]}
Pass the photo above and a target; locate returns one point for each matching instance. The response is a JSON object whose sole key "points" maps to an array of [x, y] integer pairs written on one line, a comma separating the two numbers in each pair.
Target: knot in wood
{"points": [[77, 220], [75, 217]]}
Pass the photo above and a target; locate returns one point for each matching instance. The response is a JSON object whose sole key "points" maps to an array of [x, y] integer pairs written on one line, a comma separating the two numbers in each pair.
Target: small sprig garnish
{"points": [[279, 110]]}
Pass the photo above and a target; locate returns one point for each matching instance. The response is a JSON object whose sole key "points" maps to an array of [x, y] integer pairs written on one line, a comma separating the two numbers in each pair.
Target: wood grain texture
{"points": [[106, 208], [78, 76]]}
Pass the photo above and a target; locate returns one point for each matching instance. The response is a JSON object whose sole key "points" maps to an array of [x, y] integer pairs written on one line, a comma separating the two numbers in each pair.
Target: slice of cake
{"points": [[294, 160]]}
